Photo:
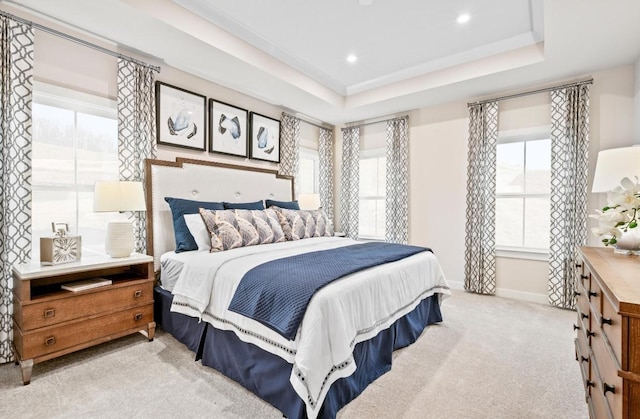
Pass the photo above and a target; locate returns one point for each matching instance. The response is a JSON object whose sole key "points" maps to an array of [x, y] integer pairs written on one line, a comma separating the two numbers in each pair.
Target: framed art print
{"points": [[228, 128], [265, 138], [180, 117]]}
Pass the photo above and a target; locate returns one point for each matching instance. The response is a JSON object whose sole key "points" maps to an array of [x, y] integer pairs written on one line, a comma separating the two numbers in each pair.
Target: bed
{"points": [[348, 331]]}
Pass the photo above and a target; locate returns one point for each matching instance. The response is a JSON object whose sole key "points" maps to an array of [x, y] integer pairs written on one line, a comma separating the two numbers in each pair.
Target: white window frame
{"points": [[372, 154], [60, 97], [518, 136]]}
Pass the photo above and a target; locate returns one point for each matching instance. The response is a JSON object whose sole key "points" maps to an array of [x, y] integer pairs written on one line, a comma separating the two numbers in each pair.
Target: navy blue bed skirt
{"points": [[267, 375]]}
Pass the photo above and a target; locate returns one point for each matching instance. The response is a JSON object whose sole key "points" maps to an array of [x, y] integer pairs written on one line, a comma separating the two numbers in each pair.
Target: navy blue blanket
{"points": [[277, 293]]}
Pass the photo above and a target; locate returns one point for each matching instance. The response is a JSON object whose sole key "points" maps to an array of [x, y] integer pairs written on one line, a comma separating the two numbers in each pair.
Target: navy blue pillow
{"points": [[258, 205], [180, 207], [292, 205]]}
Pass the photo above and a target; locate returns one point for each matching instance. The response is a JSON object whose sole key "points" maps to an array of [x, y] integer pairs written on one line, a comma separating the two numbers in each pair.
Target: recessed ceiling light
{"points": [[352, 58], [463, 18]]}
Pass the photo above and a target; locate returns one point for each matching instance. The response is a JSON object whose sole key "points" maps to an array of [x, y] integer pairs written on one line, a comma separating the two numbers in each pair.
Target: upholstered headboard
{"points": [[202, 181]]}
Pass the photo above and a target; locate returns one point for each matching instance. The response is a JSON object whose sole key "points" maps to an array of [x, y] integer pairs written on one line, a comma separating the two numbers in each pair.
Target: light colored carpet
{"points": [[490, 358]]}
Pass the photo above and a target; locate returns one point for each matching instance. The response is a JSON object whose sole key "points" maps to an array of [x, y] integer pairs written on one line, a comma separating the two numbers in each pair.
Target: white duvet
{"points": [[340, 315]]}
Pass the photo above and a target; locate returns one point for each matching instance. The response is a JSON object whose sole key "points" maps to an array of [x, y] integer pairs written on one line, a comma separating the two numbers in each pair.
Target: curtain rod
{"points": [[77, 40], [532, 92], [305, 119], [364, 124]]}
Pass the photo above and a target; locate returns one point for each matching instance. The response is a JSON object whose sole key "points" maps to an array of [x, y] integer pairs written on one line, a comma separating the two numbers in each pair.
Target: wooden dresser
{"points": [[608, 332], [50, 321]]}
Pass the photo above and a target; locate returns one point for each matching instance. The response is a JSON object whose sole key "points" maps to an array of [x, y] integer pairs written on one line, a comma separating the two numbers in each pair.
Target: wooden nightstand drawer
{"points": [[50, 321], [51, 339], [68, 305]]}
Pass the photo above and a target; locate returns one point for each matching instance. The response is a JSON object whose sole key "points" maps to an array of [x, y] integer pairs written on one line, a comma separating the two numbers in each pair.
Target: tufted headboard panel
{"points": [[202, 181]]}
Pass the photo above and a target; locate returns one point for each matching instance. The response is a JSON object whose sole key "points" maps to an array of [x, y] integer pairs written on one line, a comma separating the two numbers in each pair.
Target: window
{"points": [[523, 176], [373, 175], [309, 171], [75, 143]]}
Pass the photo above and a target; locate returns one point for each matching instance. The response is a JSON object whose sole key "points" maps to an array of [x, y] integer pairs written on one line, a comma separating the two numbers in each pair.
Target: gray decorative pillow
{"points": [[324, 226], [223, 229], [274, 222], [293, 223], [250, 235]]}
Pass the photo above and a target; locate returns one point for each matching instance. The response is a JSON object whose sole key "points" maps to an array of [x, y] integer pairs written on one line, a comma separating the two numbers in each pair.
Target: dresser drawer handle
{"points": [[578, 265], [590, 333], [593, 294], [576, 327], [137, 317], [583, 358], [584, 316], [50, 341], [576, 294], [137, 294], [50, 312], [584, 276], [606, 321], [608, 387], [590, 383]]}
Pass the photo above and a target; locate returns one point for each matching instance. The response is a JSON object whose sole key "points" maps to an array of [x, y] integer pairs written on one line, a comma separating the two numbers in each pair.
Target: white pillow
{"points": [[198, 230]]}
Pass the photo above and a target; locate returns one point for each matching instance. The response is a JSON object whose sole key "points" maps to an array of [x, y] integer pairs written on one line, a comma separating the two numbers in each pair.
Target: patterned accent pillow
{"points": [[223, 229], [274, 222], [249, 233], [293, 223], [324, 226]]}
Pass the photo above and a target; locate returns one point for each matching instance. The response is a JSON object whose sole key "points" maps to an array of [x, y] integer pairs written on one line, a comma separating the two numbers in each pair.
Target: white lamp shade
{"points": [[116, 196], [309, 201], [615, 164]]}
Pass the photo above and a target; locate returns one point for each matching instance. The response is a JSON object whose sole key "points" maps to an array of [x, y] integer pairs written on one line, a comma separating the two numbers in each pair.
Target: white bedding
{"points": [[340, 315]]}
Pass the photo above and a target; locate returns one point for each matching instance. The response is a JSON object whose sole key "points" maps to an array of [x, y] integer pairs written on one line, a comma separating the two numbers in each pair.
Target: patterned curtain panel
{"points": [[397, 197], [290, 148], [480, 246], [136, 131], [325, 154], [350, 194], [569, 165], [16, 76]]}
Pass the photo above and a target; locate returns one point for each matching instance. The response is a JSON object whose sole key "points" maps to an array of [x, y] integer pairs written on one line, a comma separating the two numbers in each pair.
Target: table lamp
{"points": [[615, 164], [309, 201], [119, 196]]}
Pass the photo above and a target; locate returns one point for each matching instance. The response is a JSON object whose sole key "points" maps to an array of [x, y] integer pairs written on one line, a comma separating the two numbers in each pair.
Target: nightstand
{"points": [[49, 321]]}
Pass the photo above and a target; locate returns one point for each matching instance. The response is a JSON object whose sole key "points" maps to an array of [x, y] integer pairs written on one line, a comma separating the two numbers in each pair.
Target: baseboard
{"points": [[507, 293]]}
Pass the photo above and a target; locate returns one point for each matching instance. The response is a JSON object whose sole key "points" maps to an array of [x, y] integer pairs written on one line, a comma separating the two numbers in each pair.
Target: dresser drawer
{"points": [[611, 325], [56, 338], [72, 306], [610, 384], [599, 402]]}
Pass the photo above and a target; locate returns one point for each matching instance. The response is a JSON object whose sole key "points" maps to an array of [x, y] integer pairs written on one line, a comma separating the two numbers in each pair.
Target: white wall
{"points": [[438, 162], [64, 63], [637, 104]]}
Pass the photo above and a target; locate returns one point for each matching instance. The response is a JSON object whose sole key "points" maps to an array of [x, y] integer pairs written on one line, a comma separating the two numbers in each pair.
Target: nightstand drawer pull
{"points": [[137, 294], [584, 316], [50, 341], [576, 294], [576, 327], [590, 383], [593, 294], [608, 387], [137, 317], [578, 265], [584, 277], [50, 312], [590, 333], [606, 321], [583, 358]]}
